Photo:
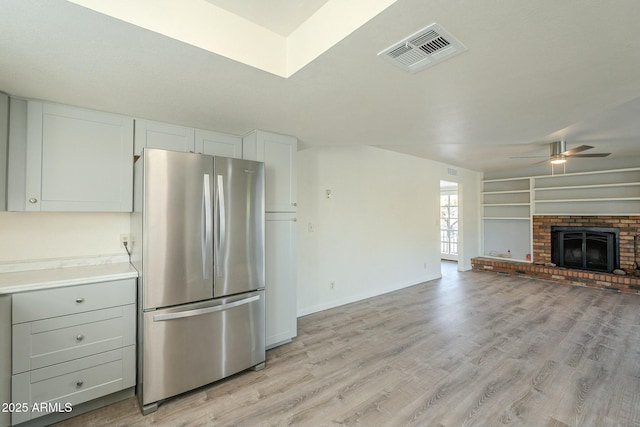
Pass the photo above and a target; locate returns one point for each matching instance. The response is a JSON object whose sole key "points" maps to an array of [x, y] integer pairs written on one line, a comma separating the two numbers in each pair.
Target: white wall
{"points": [[29, 236], [379, 231]]}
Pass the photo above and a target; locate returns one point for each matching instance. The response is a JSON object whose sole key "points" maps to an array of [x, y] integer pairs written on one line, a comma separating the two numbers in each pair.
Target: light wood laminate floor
{"points": [[470, 349]]}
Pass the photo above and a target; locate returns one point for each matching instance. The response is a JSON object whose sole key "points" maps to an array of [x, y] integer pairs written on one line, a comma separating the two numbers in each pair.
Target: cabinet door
{"points": [[280, 280], [5, 356], [278, 152], [67, 384], [218, 144], [163, 136], [78, 160], [4, 133]]}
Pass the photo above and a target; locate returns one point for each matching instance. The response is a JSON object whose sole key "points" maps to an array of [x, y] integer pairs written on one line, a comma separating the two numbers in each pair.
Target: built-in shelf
{"points": [[611, 192], [572, 187], [604, 199]]}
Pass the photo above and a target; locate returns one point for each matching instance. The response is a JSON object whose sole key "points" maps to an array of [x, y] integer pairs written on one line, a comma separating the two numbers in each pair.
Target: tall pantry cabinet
{"points": [[278, 152]]}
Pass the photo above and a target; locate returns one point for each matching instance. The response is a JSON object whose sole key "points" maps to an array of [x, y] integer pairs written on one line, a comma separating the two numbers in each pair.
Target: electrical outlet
{"points": [[332, 285], [125, 238]]}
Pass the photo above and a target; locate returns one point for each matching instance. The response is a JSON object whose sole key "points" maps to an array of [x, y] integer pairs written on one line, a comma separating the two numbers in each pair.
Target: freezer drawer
{"points": [[192, 345]]}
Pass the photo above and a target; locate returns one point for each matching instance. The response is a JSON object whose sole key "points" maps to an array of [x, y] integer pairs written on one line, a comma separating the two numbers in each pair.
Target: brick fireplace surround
{"points": [[629, 227]]}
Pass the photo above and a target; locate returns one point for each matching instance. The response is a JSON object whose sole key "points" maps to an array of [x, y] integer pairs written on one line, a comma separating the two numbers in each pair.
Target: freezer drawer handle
{"points": [[200, 311]]}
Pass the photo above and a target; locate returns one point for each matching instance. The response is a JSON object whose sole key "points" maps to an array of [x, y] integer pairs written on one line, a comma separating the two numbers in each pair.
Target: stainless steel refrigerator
{"points": [[198, 244]]}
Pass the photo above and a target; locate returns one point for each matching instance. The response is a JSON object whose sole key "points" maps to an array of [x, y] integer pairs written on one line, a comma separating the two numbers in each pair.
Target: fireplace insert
{"points": [[586, 248]]}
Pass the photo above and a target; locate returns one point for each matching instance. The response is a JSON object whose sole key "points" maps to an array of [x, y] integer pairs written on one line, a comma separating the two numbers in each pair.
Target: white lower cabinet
{"points": [[280, 268], [71, 345]]}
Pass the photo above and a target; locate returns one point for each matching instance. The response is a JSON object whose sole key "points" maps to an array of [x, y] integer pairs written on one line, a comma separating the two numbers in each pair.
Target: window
{"points": [[449, 222]]}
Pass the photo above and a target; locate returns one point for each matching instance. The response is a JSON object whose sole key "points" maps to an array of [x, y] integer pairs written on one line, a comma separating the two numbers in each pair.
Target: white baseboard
{"points": [[361, 296]]}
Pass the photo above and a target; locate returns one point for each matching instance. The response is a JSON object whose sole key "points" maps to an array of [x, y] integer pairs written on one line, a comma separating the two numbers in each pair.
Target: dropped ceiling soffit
{"points": [[205, 25]]}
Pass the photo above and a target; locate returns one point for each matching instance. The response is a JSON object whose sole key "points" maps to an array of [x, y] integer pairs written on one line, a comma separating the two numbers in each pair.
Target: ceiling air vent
{"points": [[423, 49]]}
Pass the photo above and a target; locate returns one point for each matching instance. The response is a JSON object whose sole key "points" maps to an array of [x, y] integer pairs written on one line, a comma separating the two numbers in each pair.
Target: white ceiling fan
{"points": [[559, 154]]}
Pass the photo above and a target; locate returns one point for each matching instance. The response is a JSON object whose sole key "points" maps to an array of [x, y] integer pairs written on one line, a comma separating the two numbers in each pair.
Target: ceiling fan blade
{"points": [[541, 162], [590, 155], [528, 157], [577, 150]]}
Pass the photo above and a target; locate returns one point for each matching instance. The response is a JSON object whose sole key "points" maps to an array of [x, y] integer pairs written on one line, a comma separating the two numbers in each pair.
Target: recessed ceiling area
{"points": [[533, 72], [279, 37], [280, 16]]}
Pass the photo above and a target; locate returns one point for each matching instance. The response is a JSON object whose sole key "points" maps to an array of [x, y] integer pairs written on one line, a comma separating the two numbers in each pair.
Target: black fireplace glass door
{"points": [[573, 250], [585, 248], [597, 254]]}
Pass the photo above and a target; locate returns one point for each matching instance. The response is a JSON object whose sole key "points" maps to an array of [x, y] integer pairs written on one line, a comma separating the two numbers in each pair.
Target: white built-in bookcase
{"points": [[508, 204]]}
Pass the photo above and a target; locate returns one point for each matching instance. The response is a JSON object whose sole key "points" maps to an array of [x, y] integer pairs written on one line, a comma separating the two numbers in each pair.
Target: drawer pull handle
{"points": [[80, 300], [79, 383], [80, 337]]}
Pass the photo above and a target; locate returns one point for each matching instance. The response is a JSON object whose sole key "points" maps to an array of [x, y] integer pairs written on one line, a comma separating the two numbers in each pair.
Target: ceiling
{"points": [[280, 16], [534, 72]]}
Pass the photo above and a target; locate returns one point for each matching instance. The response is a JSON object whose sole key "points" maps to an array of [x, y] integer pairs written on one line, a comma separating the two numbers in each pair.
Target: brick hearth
{"points": [[629, 227]]}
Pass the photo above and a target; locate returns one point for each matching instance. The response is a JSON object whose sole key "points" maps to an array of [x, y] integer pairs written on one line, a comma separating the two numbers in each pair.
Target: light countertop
{"points": [[31, 280]]}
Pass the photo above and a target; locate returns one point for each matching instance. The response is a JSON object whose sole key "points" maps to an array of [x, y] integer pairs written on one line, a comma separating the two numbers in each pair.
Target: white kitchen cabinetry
{"points": [[163, 136], [278, 152], [218, 144], [166, 136], [69, 159], [72, 344], [280, 260], [5, 357], [4, 133]]}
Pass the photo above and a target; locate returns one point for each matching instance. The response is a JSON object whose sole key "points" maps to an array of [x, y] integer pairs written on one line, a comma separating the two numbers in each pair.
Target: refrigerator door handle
{"points": [[207, 228], [222, 226], [201, 311]]}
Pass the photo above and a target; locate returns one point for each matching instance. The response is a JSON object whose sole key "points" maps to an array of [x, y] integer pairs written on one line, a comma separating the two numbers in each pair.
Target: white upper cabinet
{"points": [[69, 159], [218, 144], [166, 136], [278, 152], [163, 136]]}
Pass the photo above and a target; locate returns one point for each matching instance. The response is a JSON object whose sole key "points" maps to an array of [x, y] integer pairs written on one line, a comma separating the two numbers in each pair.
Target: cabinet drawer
{"points": [[46, 342], [73, 382], [47, 303]]}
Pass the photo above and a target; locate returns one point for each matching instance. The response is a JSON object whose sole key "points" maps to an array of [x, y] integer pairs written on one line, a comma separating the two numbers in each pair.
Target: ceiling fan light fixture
{"points": [[558, 159]]}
